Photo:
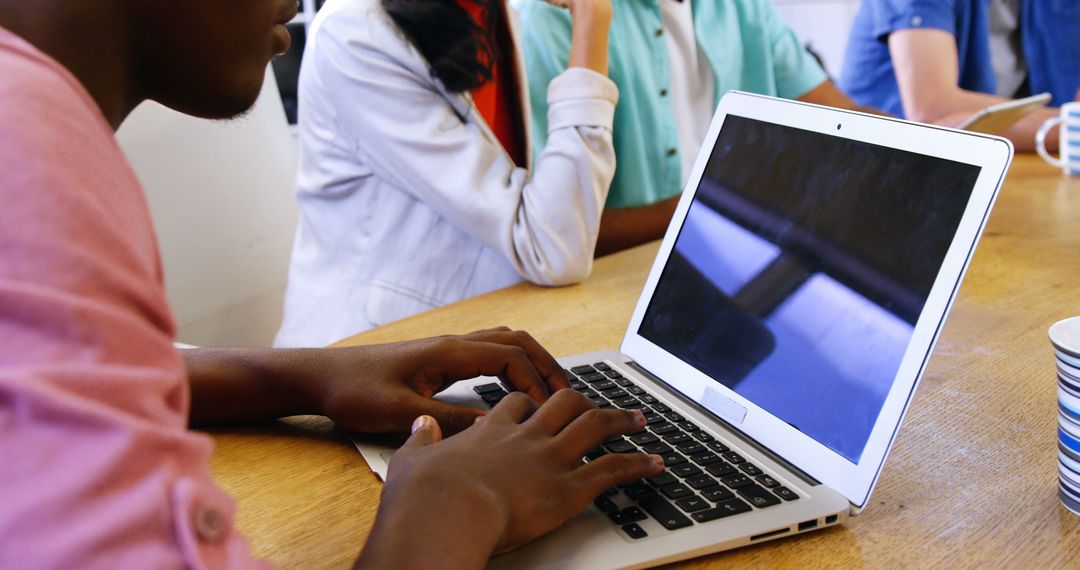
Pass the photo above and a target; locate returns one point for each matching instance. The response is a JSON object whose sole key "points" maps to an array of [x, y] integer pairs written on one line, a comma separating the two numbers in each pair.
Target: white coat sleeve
{"points": [[389, 111]]}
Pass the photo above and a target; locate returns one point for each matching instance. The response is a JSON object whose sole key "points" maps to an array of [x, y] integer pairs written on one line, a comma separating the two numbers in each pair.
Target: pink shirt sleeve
{"points": [[97, 467]]}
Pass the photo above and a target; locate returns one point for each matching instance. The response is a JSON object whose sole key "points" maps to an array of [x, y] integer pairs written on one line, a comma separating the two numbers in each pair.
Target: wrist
{"points": [[457, 522]]}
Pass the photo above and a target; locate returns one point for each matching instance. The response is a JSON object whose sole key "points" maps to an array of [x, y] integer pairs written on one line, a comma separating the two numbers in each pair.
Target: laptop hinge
{"points": [[732, 429]]}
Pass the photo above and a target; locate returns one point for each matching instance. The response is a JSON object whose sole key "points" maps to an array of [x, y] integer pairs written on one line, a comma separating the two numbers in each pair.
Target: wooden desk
{"points": [[971, 481]]}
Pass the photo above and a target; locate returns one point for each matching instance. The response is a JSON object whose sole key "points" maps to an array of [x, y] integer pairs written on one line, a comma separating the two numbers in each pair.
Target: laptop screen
{"points": [[801, 269]]}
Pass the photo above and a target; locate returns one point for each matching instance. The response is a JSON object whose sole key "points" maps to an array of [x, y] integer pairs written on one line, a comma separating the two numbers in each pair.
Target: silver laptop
{"points": [[781, 333]]}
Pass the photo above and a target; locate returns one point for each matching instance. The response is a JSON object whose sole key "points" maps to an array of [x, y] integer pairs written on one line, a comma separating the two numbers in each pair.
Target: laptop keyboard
{"points": [[703, 480]]}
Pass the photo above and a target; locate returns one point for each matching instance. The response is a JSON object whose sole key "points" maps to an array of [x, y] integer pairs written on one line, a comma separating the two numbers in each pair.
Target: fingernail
{"points": [[419, 422], [659, 461], [638, 417]]}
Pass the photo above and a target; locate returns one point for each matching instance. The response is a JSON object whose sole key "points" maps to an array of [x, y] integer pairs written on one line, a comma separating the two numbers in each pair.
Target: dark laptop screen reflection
{"points": [[800, 271]]}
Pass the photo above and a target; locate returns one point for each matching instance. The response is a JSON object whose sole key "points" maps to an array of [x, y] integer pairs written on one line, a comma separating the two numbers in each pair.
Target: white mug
{"points": [[1070, 139]]}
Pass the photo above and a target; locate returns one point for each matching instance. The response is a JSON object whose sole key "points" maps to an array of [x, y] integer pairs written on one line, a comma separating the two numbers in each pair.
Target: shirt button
{"points": [[209, 524], [916, 21], [663, 92], [671, 152], [659, 32]]}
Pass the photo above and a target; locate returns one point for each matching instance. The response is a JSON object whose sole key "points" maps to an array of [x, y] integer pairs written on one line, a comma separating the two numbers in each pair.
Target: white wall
{"points": [[221, 197], [823, 24]]}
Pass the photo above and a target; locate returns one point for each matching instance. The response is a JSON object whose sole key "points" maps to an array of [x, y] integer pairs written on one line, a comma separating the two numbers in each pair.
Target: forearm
{"points": [[424, 528], [589, 38], [243, 385], [623, 228]]}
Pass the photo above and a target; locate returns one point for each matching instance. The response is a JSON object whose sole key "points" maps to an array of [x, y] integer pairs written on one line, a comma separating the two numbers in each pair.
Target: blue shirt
{"points": [[1050, 33], [745, 42]]}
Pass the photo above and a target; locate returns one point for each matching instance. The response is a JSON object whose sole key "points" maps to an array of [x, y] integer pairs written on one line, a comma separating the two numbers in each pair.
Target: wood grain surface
{"points": [[970, 482]]}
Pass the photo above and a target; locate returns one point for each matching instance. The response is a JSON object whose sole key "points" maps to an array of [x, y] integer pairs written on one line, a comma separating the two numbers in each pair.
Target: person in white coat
{"points": [[416, 184]]}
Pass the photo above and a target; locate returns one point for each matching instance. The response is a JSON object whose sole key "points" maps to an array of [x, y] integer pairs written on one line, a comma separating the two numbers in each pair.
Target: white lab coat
{"points": [[408, 201]]}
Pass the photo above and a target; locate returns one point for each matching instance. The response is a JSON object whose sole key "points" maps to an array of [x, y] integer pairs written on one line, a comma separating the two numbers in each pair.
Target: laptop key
{"points": [[589, 393], [601, 366], [672, 459], [595, 454], [634, 514], [767, 481], [635, 390], [583, 369], [733, 457], [703, 437], [688, 426], [488, 388], [605, 385], [613, 374], [665, 513], [717, 494], [675, 417], [691, 504], [639, 491], [700, 482], [576, 385], [657, 448], [785, 493], [618, 518], [644, 438], [676, 491], [493, 398], [628, 402], [704, 459], [620, 446], [650, 399], [718, 447], [675, 438], [686, 470], [614, 393], [662, 479], [660, 408], [623, 382], [663, 429], [603, 404], [593, 377], [750, 469], [605, 505], [721, 469], [721, 510], [758, 496], [634, 531], [737, 480], [653, 419], [691, 448]]}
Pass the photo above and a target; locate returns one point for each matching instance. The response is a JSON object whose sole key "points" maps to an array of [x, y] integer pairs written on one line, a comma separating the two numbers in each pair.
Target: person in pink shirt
{"points": [[98, 468]]}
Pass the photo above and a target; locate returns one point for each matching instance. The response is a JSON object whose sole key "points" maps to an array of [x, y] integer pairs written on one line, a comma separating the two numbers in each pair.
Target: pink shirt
{"points": [[97, 467]]}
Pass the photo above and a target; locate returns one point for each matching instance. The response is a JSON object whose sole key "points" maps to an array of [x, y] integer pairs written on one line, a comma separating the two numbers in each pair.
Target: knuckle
{"points": [[521, 336], [596, 419], [516, 398]]}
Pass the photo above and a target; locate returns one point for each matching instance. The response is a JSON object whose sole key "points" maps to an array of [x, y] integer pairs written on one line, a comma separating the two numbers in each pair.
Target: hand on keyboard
{"points": [[383, 388], [513, 476]]}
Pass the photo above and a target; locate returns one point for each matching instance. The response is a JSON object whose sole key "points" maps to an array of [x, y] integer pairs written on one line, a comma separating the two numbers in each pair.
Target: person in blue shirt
{"points": [[672, 61], [939, 61]]}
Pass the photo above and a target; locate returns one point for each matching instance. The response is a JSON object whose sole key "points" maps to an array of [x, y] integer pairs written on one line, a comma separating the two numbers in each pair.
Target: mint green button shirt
{"points": [[745, 42]]}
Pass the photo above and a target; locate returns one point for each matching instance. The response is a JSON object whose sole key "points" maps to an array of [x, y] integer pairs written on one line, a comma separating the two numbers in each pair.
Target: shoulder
{"points": [[44, 110], [358, 26]]}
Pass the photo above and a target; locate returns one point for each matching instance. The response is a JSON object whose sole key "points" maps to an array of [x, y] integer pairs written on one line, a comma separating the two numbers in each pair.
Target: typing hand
{"points": [[510, 478], [383, 388]]}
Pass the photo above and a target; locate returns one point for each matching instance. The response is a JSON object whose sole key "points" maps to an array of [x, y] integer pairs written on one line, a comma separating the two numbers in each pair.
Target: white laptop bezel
{"points": [[854, 481]]}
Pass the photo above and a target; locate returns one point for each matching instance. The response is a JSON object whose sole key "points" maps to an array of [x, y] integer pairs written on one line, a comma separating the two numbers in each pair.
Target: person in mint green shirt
{"points": [[672, 61]]}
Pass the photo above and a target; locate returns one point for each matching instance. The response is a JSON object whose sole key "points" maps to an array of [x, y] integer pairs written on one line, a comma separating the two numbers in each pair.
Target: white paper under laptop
{"points": [[790, 312]]}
